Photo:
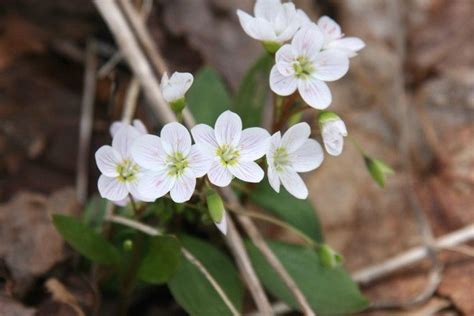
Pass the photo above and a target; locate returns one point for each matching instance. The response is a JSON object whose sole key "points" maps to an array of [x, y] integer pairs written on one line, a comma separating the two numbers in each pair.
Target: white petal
{"points": [[204, 135], [308, 157], [148, 152], [330, 65], [293, 183], [219, 175], [122, 202], [257, 28], [199, 161], [139, 126], [273, 179], [308, 41], [175, 87], [133, 186], [315, 93], [228, 129], [155, 184], [284, 59], [253, 143], [333, 136], [303, 17], [274, 143], [114, 128], [349, 45], [286, 22], [295, 137], [222, 225], [331, 29], [107, 160], [267, 9], [247, 171], [123, 140], [184, 187], [175, 138], [282, 85], [111, 188]]}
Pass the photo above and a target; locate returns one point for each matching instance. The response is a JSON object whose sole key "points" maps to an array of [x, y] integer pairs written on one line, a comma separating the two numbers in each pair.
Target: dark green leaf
{"points": [[329, 291], [161, 261], [208, 96], [299, 213], [94, 211], [253, 92], [192, 290], [85, 240]]}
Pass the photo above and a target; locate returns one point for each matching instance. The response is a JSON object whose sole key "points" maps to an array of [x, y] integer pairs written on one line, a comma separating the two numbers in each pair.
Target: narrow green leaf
{"points": [[299, 213], [329, 291], [194, 292], [85, 240], [208, 96], [253, 92], [161, 261]]}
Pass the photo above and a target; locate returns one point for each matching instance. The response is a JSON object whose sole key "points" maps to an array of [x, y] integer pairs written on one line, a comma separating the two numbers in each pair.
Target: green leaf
{"points": [[208, 96], [94, 212], [253, 92], [161, 261], [329, 291], [298, 213], [194, 292], [85, 240]]}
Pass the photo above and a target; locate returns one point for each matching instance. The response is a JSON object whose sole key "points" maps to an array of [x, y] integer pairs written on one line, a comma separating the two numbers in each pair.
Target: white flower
{"points": [[120, 174], [294, 152], [333, 132], [232, 149], [137, 124], [274, 22], [175, 87], [173, 163], [302, 65], [334, 38]]}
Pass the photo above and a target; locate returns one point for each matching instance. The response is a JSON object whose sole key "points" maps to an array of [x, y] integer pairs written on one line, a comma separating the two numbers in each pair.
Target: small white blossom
{"points": [[274, 22], [137, 124], [335, 39], [232, 149], [302, 65], [120, 173], [175, 87], [294, 152], [333, 133], [173, 163]]}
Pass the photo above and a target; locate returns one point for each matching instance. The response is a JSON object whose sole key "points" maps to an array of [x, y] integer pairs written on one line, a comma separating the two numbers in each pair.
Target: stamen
{"points": [[228, 154]]}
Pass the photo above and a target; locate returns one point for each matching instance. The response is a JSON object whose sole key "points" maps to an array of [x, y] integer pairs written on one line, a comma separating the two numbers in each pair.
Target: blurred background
{"points": [[408, 99]]}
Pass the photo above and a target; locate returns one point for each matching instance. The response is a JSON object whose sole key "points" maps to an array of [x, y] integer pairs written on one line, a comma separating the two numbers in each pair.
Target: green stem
{"points": [[312, 243], [357, 145]]}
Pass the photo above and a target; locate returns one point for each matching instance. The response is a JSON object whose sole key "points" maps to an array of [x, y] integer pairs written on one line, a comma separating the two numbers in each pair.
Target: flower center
{"points": [[127, 170], [303, 67], [280, 158], [228, 154], [177, 164]]}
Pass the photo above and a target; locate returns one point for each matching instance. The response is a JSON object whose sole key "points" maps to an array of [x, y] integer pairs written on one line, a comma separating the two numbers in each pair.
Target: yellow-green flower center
{"points": [[303, 67], [228, 154], [280, 158], [177, 164], [127, 170]]}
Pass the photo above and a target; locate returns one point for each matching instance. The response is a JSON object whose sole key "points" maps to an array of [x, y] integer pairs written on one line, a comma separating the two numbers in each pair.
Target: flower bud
{"points": [[378, 169], [174, 88], [333, 131], [215, 205], [329, 258], [127, 245]]}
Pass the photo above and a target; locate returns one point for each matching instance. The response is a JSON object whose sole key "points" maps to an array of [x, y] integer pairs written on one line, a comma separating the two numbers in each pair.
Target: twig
{"points": [[140, 66], [209, 277], [131, 100], [258, 240], [186, 253], [135, 57], [370, 274], [87, 116]]}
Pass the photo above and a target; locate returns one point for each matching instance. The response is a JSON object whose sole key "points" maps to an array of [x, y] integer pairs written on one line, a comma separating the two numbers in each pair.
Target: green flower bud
{"points": [[271, 47], [127, 245], [327, 116], [215, 205], [329, 258], [378, 169]]}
